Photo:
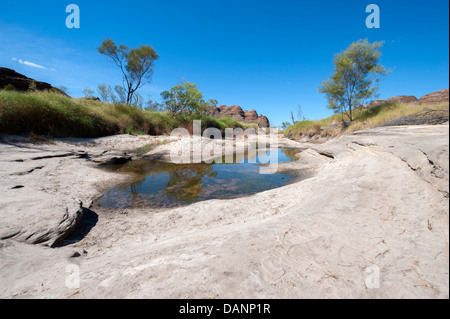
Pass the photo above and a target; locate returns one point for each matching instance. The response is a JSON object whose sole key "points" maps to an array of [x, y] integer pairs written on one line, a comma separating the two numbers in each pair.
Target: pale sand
{"points": [[377, 198]]}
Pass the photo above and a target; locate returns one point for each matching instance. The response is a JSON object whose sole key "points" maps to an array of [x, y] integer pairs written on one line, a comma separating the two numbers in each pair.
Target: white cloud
{"points": [[28, 63]]}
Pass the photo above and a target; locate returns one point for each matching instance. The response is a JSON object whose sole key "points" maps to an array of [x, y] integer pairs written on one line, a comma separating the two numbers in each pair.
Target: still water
{"points": [[160, 184]]}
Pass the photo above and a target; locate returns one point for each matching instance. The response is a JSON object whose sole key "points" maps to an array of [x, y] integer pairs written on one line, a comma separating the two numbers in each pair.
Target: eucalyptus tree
{"points": [[357, 73], [136, 65]]}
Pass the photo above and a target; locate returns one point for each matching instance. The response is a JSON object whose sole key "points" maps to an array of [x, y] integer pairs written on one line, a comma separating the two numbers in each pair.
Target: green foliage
{"points": [[232, 123], [285, 125], [355, 78], [32, 87], [138, 100], [106, 93], [363, 119], [58, 91], [55, 115], [50, 114], [301, 126], [184, 99], [61, 88], [154, 106], [9, 87], [209, 108], [136, 65], [121, 95], [374, 111], [304, 128], [88, 92]]}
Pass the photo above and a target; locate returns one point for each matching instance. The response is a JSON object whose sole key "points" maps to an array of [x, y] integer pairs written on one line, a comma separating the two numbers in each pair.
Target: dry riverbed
{"points": [[376, 203]]}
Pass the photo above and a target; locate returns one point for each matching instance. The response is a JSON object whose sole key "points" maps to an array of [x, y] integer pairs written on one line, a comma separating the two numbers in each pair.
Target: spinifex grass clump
{"points": [[54, 115], [50, 114]]}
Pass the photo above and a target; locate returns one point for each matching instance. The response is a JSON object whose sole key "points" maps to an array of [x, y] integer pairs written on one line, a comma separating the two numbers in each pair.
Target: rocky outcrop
{"points": [[251, 116], [435, 97], [263, 121], [373, 104], [431, 117], [19, 82], [404, 99], [237, 113], [44, 219], [113, 159], [91, 98]]}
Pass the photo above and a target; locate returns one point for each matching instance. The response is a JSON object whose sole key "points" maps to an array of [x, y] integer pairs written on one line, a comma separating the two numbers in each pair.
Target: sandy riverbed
{"points": [[377, 204]]}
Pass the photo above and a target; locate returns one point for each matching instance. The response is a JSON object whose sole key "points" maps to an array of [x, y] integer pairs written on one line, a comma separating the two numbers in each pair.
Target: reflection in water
{"points": [[291, 154], [185, 182], [161, 184]]}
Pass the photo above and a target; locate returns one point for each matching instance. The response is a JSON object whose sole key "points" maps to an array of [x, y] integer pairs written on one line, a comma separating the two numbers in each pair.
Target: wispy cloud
{"points": [[28, 63]]}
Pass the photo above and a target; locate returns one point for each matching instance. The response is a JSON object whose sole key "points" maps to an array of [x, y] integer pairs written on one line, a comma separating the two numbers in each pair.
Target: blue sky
{"points": [[266, 55]]}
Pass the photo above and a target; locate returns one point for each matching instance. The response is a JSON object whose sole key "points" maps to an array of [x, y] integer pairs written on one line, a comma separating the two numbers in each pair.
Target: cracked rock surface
{"points": [[378, 199], [44, 187]]}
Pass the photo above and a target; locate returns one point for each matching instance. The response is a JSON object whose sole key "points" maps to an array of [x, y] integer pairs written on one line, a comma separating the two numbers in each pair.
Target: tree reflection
{"points": [[291, 153], [185, 182], [135, 192], [163, 184]]}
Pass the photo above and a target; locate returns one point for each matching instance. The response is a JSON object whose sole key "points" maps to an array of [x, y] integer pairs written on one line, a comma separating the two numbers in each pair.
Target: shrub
{"points": [[9, 87]]}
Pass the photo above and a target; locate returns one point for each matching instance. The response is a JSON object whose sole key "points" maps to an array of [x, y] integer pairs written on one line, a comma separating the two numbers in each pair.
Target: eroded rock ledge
{"points": [[377, 198]]}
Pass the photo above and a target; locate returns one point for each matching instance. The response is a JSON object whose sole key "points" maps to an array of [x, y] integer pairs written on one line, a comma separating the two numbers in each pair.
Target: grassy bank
{"points": [[54, 115], [363, 119]]}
